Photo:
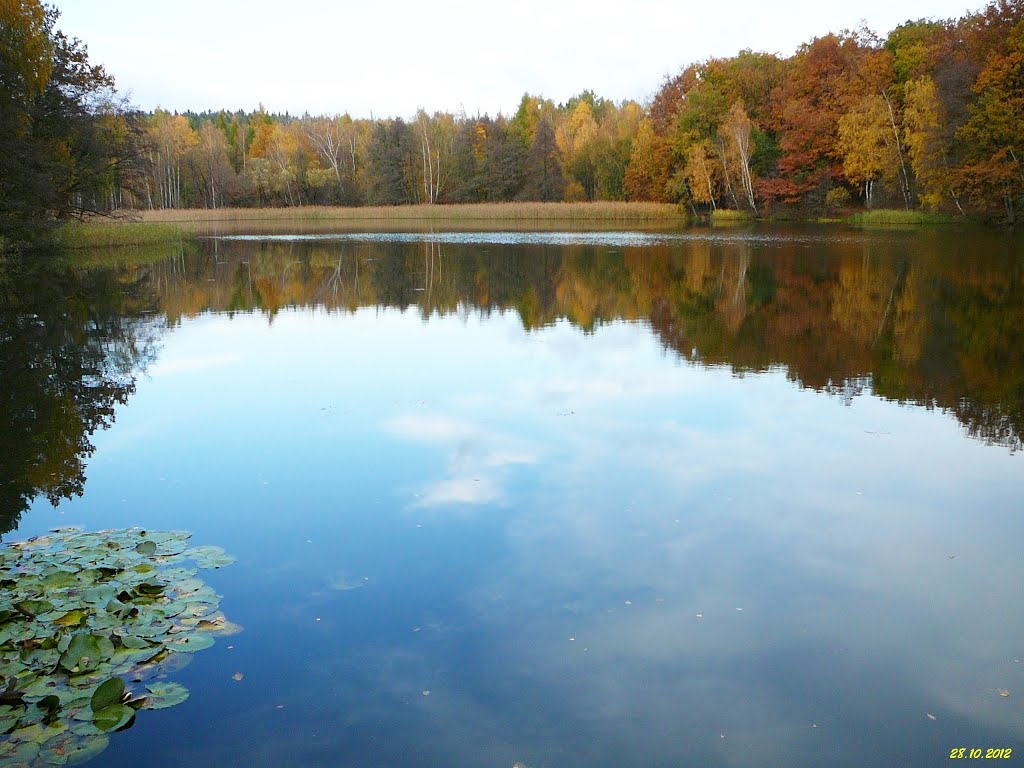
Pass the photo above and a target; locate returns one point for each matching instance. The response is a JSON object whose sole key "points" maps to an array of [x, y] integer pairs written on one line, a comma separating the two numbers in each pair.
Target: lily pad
{"points": [[218, 625], [146, 548], [109, 692], [209, 557], [14, 752], [113, 717], [163, 695], [37, 733], [71, 619], [80, 613], [190, 643], [86, 652], [86, 749], [134, 642]]}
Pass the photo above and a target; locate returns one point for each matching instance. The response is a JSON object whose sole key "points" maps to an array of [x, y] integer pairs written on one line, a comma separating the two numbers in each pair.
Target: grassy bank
{"points": [[471, 215], [729, 216], [117, 234], [888, 217]]}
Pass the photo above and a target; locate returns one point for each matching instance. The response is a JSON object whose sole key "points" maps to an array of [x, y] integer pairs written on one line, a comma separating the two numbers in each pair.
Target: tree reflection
{"points": [[70, 344], [933, 319]]}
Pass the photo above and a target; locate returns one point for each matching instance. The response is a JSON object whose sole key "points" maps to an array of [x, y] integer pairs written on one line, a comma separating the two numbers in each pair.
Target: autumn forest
{"points": [[928, 117]]}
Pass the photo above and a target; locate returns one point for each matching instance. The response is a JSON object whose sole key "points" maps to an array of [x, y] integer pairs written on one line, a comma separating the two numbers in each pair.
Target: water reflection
{"points": [[931, 319], [606, 505], [71, 343]]}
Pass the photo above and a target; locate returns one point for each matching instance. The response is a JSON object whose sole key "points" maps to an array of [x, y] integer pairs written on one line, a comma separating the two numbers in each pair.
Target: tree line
{"points": [[928, 117]]}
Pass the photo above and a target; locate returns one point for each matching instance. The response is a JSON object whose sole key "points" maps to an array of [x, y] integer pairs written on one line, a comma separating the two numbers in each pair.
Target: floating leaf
{"points": [[82, 612], [99, 595], [86, 652], [71, 619], [59, 580], [110, 692], [156, 628], [163, 695], [209, 557], [191, 643], [219, 626], [80, 726], [39, 688], [92, 677], [113, 717], [38, 733], [33, 608], [49, 703], [85, 749], [14, 752], [150, 590], [131, 641], [189, 585], [146, 548], [55, 752], [41, 658]]}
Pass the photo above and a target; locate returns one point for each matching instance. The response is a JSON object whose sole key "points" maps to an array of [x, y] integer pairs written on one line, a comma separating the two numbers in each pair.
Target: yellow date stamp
{"points": [[974, 753]]}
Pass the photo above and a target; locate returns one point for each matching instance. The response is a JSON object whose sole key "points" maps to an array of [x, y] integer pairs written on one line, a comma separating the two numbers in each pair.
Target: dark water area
{"points": [[716, 498]]}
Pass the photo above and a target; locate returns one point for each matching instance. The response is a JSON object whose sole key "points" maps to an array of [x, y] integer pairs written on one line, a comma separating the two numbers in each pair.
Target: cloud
{"points": [[462, 490], [503, 458], [173, 367], [430, 428], [476, 458]]}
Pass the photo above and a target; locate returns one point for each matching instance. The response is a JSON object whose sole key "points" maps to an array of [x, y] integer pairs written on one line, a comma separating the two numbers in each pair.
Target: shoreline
{"points": [[151, 227]]}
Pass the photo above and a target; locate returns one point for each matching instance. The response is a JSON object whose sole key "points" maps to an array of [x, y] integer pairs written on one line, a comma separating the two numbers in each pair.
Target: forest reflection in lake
{"points": [[722, 498]]}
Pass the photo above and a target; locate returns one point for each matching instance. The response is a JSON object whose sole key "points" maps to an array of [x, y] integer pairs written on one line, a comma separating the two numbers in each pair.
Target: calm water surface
{"points": [[722, 498]]}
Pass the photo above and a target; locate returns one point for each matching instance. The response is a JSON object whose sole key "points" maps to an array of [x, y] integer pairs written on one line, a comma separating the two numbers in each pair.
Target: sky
{"points": [[392, 58]]}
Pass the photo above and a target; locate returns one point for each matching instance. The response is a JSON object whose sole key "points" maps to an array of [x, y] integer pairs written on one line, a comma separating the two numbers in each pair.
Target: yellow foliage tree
{"points": [[647, 172], [924, 134], [867, 144]]}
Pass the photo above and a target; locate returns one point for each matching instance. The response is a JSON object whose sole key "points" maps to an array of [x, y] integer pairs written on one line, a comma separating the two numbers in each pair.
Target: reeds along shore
{"points": [[468, 213], [131, 228], [144, 228], [115, 233]]}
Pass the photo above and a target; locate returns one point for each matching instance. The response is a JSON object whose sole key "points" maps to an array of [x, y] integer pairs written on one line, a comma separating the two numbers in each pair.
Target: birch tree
{"points": [[701, 174], [212, 165], [436, 138], [325, 134], [737, 129], [170, 139]]}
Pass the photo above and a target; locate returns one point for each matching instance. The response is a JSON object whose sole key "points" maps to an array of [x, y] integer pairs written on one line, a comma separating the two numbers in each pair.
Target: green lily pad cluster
{"points": [[90, 626]]}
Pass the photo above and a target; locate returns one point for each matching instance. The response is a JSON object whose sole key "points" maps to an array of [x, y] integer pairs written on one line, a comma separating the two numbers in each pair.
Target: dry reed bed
{"points": [[581, 213]]}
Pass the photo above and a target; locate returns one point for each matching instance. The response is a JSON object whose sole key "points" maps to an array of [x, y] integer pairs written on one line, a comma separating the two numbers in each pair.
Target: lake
{"points": [[723, 497]]}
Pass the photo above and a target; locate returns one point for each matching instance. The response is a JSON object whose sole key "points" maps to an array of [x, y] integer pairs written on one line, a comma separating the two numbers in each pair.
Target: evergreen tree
{"points": [[544, 180]]}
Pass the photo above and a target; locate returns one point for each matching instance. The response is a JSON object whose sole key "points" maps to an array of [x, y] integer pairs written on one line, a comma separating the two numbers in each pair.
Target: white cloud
{"points": [[462, 490], [476, 458], [172, 366], [504, 458], [430, 428]]}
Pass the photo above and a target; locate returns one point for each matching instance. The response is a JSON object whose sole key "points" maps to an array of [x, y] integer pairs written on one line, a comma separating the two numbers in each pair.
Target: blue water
{"points": [[466, 542]]}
